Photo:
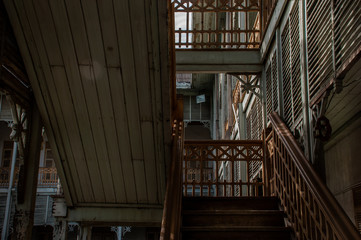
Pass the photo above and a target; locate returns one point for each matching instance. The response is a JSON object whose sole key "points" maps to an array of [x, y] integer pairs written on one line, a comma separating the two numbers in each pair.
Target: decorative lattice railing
{"points": [[216, 24], [223, 168], [48, 177]]}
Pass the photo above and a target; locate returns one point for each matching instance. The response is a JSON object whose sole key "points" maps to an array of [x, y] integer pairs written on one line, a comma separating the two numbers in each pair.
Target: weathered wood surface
{"points": [[98, 71]]}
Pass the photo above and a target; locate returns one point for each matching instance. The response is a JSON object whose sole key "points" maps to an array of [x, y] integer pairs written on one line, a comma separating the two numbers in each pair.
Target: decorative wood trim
{"points": [[311, 208], [212, 168]]}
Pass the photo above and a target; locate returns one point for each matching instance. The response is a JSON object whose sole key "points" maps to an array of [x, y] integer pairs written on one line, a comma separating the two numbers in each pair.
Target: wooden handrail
{"points": [[47, 177], [171, 220], [313, 211], [203, 35]]}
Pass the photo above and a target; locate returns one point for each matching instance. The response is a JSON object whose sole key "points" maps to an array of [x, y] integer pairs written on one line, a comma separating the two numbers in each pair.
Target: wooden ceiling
{"points": [[13, 79], [100, 75]]}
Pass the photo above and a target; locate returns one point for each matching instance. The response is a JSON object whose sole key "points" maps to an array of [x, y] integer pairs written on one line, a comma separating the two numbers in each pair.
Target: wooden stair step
{"points": [[233, 233], [233, 218], [229, 203]]}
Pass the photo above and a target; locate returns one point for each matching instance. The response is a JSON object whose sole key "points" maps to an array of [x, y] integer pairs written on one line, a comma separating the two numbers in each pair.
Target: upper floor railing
{"points": [[268, 6], [48, 177], [217, 24], [223, 168]]}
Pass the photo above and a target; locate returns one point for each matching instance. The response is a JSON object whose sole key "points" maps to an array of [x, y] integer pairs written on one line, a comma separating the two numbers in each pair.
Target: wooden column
{"points": [[84, 233], [60, 231], [28, 177]]}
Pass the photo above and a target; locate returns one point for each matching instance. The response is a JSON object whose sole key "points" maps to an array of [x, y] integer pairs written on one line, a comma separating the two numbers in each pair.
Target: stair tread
{"points": [[228, 198], [235, 228], [229, 203]]}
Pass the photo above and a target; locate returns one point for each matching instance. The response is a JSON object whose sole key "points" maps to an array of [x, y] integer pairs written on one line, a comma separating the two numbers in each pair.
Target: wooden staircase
{"points": [[246, 218]]}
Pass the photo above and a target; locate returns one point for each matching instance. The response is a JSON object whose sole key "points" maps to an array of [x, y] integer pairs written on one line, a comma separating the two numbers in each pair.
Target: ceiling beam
{"points": [[218, 61], [116, 215]]}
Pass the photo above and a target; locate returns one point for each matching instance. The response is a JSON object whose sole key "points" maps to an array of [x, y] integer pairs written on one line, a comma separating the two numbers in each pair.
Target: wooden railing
{"points": [[312, 210], [48, 177], [223, 168], [171, 220], [214, 24]]}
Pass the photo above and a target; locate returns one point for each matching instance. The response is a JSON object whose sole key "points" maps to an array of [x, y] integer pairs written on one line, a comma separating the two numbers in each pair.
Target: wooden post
{"points": [[24, 210], [60, 231], [84, 233], [9, 199]]}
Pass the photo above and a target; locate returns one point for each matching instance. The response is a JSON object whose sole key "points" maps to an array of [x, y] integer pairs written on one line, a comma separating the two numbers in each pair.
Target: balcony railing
{"points": [[48, 177], [268, 6], [216, 24], [5, 176], [223, 168]]}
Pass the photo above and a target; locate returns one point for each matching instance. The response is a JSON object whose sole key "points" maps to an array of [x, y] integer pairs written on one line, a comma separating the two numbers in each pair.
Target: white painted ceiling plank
{"points": [[71, 65], [156, 88], [126, 49], [101, 73], [140, 43], [29, 64], [141, 57], [46, 24], [140, 181], [160, 28], [62, 140], [111, 61], [150, 163], [78, 162], [141, 105], [90, 82], [31, 32], [109, 33], [156, 135], [126, 164]]}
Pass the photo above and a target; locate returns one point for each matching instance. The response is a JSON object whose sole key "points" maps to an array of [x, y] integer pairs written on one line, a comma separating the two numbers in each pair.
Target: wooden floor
{"points": [[99, 72]]}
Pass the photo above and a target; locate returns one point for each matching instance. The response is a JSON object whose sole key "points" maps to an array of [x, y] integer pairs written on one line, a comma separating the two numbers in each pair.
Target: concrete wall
{"points": [[343, 165]]}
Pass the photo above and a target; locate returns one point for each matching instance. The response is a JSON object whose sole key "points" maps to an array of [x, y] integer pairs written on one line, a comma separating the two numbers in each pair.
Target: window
{"points": [[8, 154]]}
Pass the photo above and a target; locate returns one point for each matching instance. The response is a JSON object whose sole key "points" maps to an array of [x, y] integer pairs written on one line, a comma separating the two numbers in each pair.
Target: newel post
{"points": [[28, 175]]}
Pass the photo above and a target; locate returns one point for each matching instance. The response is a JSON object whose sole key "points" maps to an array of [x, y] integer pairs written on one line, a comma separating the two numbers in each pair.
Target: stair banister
{"points": [[313, 211], [171, 220]]}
